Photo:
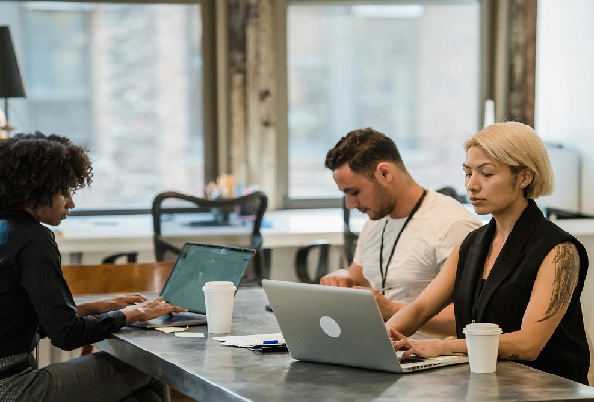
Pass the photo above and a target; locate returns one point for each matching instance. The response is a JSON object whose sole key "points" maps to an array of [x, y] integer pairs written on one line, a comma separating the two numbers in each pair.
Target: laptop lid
{"points": [[327, 324], [197, 264]]}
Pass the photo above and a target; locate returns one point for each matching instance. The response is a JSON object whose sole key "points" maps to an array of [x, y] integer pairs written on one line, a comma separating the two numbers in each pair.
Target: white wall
{"points": [[565, 82], [565, 106]]}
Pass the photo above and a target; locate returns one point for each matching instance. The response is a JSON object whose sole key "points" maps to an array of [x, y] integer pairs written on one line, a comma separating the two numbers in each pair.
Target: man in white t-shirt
{"points": [[411, 230]]}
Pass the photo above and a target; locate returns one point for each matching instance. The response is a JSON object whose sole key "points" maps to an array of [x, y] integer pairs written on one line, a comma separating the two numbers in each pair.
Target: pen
{"points": [[270, 342]]}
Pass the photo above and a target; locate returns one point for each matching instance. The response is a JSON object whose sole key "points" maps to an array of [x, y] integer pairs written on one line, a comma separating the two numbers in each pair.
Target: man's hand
{"points": [[340, 278]]}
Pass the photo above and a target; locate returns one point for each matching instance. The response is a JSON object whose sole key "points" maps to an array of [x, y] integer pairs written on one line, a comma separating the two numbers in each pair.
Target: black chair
{"points": [[128, 256], [178, 217], [302, 259], [323, 248], [451, 191], [350, 238]]}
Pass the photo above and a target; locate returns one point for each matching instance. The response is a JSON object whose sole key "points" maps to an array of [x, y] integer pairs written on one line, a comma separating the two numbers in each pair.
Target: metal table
{"points": [[205, 370]]}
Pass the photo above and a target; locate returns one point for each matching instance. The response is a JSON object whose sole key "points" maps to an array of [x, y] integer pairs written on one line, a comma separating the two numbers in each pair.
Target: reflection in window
{"points": [[125, 80], [410, 71]]}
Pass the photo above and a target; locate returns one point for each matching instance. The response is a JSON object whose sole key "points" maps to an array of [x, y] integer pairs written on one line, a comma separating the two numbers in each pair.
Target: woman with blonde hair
{"points": [[520, 271]]}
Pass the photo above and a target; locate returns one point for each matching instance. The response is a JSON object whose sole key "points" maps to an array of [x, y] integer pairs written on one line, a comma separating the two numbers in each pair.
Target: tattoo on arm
{"points": [[566, 263]]}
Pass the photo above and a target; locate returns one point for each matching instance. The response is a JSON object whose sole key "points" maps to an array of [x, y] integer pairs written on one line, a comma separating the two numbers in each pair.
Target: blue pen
{"points": [[270, 342]]}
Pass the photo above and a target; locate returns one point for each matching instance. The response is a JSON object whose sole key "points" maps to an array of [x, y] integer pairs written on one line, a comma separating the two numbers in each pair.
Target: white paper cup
{"points": [[482, 341], [219, 297]]}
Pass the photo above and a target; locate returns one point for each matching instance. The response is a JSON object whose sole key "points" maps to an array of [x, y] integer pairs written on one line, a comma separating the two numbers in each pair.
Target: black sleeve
{"points": [[39, 265]]}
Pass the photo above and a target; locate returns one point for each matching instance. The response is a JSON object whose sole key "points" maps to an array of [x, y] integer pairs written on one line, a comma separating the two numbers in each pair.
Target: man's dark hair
{"points": [[34, 168], [362, 150]]}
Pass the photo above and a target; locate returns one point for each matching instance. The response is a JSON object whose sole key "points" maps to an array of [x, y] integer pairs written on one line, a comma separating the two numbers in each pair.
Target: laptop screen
{"points": [[198, 264]]}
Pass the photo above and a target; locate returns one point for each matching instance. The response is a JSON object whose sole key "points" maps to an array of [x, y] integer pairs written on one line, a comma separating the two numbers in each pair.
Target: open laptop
{"points": [[196, 265], [327, 324]]}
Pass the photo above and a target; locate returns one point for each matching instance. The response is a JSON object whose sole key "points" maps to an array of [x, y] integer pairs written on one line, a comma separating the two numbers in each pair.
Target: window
{"points": [[124, 80], [563, 103], [411, 71]]}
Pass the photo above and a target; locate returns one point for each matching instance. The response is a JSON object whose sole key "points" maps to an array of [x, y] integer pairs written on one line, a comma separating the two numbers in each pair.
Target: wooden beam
{"points": [[522, 60], [253, 94]]}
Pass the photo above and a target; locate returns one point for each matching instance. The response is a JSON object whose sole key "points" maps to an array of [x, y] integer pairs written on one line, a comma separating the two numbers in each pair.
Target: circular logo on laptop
{"points": [[329, 326]]}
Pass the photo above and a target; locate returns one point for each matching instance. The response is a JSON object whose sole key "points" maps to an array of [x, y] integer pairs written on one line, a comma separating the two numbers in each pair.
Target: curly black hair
{"points": [[362, 150], [36, 167]]}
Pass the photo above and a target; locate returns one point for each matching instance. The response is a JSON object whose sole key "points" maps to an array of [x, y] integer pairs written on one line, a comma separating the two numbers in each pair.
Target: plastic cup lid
{"points": [[482, 328], [219, 285]]}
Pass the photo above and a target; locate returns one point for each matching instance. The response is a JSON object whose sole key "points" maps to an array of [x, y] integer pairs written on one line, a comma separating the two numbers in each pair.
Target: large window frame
{"points": [[487, 57], [216, 89], [209, 94]]}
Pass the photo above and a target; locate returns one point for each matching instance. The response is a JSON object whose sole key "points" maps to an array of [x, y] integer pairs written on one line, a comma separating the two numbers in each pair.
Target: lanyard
{"points": [[381, 256]]}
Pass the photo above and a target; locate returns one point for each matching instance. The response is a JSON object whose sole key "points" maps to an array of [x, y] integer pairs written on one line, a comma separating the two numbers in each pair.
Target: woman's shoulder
{"points": [[552, 235], [18, 226]]}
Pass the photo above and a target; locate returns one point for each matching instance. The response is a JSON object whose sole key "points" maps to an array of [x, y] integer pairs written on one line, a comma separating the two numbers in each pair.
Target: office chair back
{"points": [[451, 191], [350, 238], [178, 218], [302, 270], [322, 248]]}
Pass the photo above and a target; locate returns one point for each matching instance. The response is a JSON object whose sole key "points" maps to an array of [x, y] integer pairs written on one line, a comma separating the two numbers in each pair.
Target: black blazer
{"points": [[506, 292]]}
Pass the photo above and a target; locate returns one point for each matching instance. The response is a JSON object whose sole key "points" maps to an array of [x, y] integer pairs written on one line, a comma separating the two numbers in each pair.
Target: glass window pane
{"points": [[411, 71], [125, 80]]}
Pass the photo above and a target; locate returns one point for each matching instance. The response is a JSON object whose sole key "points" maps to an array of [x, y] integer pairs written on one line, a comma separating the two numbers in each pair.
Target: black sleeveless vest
{"points": [[506, 292]]}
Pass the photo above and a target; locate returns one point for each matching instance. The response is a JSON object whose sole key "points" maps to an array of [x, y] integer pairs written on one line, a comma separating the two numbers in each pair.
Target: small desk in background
{"points": [[205, 370], [281, 228]]}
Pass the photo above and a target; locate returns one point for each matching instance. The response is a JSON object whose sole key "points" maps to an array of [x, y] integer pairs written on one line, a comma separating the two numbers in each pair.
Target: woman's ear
{"points": [[527, 177]]}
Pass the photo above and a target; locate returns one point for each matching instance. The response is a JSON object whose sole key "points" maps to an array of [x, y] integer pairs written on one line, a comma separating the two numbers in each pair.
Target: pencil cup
{"points": [[219, 297], [482, 341]]}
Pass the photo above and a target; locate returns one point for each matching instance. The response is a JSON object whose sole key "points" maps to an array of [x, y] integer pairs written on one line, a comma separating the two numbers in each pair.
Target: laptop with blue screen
{"points": [[195, 265]]}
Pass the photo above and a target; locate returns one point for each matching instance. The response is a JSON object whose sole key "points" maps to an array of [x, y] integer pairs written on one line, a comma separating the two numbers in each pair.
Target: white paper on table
{"points": [[247, 341], [189, 334]]}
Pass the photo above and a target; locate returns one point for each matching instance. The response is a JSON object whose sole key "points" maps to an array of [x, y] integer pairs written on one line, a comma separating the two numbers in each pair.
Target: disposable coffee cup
{"points": [[482, 341], [219, 297]]}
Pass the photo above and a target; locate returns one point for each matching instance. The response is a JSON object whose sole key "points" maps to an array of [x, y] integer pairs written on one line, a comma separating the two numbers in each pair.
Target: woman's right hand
{"points": [[420, 348], [150, 309]]}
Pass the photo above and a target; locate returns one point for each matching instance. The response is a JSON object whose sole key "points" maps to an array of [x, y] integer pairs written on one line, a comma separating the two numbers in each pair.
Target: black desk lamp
{"points": [[11, 85]]}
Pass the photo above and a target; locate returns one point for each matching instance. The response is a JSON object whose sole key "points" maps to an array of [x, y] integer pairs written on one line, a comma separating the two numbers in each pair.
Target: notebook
{"points": [[196, 265], [327, 324]]}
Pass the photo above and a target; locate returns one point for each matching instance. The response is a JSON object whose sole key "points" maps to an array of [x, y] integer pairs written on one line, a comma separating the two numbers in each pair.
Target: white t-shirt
{"points": [[436, 228]]}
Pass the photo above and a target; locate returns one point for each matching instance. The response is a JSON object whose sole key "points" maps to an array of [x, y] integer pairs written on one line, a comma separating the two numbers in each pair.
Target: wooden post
{"points": [[253, 94], [522, 60]]}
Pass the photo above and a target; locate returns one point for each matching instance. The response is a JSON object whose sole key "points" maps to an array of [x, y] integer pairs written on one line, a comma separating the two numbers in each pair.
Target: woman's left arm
{"points": [[109, 304], [553, 289]]}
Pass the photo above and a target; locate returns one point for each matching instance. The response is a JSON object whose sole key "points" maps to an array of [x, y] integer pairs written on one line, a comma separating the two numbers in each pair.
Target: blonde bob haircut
{"points": [[518, 146]]}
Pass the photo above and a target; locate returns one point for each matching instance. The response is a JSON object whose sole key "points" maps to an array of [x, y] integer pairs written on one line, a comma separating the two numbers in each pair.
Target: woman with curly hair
{"points": [[39, 175]]}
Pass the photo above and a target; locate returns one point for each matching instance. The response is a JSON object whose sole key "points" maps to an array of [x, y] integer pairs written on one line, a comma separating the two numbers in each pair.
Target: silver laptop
{"points": [[327, 324], [196, 265]]}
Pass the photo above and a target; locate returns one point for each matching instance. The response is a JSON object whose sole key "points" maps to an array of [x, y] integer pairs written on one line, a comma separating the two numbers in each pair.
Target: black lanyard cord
{"points": [[381, 256]]}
